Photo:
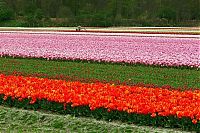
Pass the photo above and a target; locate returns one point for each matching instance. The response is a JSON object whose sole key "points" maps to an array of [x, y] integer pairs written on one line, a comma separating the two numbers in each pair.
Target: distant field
{"points": [[152, 30]]}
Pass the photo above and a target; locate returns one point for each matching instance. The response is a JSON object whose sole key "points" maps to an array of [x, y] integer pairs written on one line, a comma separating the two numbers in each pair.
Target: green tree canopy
{"points": [[5, 12], [103, 12]]}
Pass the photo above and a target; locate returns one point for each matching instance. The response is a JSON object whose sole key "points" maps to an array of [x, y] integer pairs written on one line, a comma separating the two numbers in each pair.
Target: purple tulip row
{"points": [[131, 49]]}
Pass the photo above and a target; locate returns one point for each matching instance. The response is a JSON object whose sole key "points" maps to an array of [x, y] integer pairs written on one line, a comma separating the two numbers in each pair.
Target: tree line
{"points": [[100, 12]]}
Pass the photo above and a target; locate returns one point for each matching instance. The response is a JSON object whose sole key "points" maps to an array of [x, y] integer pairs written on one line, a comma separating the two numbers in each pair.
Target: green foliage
{"points": [[34, 18], [13, 23], [65, 12], [106, 12], [167, 13], [100, 114], [5, 12]]}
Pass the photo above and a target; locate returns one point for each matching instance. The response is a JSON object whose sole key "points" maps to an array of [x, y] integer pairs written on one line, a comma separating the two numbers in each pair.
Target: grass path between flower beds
{"points": [[18, 120], [175, 77]]}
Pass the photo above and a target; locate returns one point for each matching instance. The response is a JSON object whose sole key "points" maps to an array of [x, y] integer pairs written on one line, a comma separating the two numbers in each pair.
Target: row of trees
{"points": [[101, 12]]}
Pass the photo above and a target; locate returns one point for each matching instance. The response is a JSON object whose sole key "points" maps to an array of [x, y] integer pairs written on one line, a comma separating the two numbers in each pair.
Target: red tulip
{"points": [[132, 99]]}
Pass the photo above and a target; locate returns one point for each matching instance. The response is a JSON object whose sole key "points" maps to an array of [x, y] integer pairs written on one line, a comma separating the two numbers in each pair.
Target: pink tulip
{"points": [[163, 51]]}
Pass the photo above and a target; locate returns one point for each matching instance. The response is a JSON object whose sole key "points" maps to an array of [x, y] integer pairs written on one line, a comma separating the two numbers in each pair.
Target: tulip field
{"points": [[153, 51], [130, 78]]}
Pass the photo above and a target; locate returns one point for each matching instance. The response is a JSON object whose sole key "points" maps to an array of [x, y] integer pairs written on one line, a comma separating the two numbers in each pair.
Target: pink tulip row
{"points": [[131, 49]]}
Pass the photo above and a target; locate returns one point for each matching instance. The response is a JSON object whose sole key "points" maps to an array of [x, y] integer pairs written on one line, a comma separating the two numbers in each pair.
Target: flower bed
{"points": [[140, 103], [131, 99], [129, 49]]}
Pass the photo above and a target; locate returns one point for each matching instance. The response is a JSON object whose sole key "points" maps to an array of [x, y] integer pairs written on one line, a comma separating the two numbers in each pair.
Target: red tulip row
{"points": [[132, 99]]}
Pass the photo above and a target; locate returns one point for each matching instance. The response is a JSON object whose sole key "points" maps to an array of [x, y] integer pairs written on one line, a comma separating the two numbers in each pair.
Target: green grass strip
{"points": [[133, 74], [18, 120]]}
